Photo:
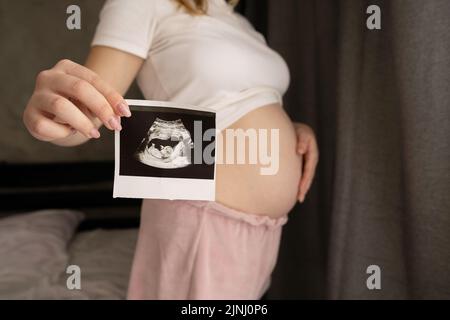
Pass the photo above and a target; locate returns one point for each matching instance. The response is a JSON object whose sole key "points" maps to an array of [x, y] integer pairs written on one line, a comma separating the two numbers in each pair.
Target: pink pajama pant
{"points": [[203, 250]]}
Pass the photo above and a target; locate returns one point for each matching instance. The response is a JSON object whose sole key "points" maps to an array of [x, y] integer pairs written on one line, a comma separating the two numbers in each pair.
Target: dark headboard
{"points": [[85, 186]]}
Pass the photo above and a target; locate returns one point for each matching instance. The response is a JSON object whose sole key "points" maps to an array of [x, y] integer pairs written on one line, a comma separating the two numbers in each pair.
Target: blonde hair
{"points": [[198, 7]]}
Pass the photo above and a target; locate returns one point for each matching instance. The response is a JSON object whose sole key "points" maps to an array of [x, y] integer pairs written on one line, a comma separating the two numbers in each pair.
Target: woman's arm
{"points": [[116, 67], [70, 102]]}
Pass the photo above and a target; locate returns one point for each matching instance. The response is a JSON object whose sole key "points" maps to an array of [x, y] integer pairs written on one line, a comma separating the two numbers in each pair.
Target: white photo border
{"points": [[161, 188]]}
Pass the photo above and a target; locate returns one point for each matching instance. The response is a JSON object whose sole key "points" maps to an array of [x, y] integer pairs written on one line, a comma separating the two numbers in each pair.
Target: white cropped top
{"points": [[216, 60]]}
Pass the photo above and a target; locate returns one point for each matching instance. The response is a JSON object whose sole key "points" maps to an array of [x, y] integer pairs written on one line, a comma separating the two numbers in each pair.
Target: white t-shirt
{"points": [[216, 60]]}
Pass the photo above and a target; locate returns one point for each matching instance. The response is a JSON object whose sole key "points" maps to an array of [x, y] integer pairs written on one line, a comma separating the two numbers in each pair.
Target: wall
{"points": [[33, 37]]}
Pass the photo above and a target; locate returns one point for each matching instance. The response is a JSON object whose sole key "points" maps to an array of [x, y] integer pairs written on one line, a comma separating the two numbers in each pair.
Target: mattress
{"points": [[37, 248]]}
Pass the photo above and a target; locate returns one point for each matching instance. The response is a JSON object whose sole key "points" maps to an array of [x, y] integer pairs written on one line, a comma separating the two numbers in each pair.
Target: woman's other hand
{"points": [[308, 149]]}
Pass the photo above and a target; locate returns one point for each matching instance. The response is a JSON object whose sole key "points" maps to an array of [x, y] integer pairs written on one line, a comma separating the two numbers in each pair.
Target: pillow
{"points": [[33, 250], [105, 258]]}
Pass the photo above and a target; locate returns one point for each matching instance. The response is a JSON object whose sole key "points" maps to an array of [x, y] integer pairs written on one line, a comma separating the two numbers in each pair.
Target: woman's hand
{"points": [[70, 98], [307, 148]]}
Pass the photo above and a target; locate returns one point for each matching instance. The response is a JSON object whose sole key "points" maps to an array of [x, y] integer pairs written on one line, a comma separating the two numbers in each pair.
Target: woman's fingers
{"points": [[307, 148], [64, 111], [83, 91], [114, 99], [70, 97], [43, 128], [304, 134], [311, 158], [302, 143]]}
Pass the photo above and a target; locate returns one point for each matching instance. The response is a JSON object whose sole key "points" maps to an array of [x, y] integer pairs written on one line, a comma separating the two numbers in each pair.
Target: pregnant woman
{"points": [[202, 53]]}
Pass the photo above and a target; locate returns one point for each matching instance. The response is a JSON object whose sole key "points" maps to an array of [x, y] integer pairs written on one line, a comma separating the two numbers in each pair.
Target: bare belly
{"points": [[243, 187]]}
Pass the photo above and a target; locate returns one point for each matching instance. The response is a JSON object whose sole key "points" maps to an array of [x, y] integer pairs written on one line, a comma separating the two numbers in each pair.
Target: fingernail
{"points": [[114, 123], [124, 109], [94, 133]]}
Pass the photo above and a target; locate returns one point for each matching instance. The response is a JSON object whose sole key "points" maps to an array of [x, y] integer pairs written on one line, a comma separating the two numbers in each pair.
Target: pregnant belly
{"points": [[243, 186]]}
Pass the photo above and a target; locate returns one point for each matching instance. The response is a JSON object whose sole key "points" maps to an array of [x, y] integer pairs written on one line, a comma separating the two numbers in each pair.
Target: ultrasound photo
{"points": [[167, 145], [164, 152]]}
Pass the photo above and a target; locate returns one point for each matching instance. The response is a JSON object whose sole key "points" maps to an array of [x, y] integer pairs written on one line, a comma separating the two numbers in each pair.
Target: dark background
{"points": [[136, 128]]}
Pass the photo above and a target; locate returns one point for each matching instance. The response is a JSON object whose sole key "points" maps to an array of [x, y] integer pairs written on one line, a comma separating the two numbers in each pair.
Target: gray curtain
{"points": [[379, 102]]}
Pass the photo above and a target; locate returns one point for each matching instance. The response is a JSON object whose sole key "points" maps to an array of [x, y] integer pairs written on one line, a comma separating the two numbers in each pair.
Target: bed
{"points": [[93, 231]]}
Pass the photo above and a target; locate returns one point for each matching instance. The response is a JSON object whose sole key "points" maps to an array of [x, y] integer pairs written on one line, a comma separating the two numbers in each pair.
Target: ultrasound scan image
{"points": [[167, 145]]}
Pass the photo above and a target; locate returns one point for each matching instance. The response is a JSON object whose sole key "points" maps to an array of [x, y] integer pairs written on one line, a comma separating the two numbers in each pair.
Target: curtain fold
{"points": [[379, 102]]}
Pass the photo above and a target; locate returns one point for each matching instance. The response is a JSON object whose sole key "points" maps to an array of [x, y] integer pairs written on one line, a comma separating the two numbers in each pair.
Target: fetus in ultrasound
{"points": [[167, 145]]}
